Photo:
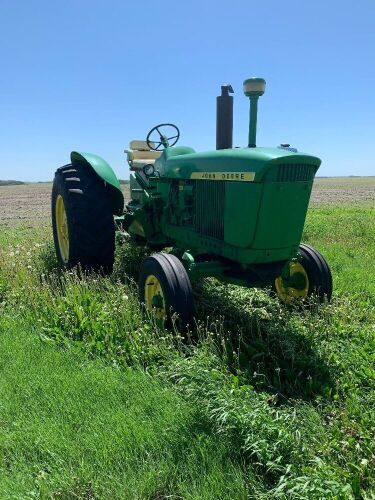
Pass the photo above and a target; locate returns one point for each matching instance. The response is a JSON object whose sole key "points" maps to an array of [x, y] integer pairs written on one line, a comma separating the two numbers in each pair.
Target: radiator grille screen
{"points": [[209, 208], [292, 173]]}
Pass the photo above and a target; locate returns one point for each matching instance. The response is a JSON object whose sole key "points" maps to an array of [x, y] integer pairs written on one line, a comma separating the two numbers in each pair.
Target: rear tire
{"points": [[314, 269], [165, 289], [82, 220]]}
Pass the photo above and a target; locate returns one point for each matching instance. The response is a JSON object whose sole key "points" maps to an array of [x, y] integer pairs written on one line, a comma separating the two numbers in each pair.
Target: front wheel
{"points": [[310, 275], [165, 290]]}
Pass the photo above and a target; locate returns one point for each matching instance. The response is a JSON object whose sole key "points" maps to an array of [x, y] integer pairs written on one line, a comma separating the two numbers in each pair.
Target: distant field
{"points": [[29, 204], [10, 183], [343, 190]]}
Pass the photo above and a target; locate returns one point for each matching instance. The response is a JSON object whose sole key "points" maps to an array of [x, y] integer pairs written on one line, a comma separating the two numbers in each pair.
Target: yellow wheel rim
{"points": [[154, 298], [62, 228], [289, 293]]}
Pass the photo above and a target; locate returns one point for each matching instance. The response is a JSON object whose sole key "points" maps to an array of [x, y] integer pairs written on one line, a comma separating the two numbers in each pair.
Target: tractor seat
{"points": [[139, 154]]}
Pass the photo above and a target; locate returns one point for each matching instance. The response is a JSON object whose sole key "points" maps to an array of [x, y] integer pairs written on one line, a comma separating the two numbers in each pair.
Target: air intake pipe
{"points": [[253, 88], [224, 118]]}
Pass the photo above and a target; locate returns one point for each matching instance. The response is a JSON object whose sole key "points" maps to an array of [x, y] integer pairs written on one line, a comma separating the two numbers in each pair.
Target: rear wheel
{"points": [[308, 276], [82, 220], [165, 289]]}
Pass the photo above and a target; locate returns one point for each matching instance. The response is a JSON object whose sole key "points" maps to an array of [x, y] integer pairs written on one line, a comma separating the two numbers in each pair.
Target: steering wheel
{"points": [[163, 139]]}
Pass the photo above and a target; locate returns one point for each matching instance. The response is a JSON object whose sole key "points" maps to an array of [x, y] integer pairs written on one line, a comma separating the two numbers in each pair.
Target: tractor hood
{"points": [[239, 164]]}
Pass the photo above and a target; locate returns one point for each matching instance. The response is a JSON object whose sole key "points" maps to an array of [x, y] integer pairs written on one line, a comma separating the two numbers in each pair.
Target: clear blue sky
{"points": [[90, 75]]}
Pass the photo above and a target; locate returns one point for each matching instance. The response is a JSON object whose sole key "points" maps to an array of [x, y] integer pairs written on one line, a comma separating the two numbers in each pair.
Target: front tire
{"points": [[82, 220], [308, 276], [165, 289]]}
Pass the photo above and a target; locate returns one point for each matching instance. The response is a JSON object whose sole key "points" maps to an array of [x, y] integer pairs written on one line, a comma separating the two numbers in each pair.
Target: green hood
{"points": [[256, 163]]}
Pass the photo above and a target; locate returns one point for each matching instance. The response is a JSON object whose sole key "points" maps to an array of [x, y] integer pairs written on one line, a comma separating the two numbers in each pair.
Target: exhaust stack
{"points": [[224, 118], [253, 88]]}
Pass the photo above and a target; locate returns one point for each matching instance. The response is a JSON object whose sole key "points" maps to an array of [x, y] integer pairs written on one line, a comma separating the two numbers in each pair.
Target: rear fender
{"points": [[101, 168]]}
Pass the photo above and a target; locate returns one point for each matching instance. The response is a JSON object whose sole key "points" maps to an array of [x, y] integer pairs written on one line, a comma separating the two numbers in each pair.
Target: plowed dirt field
{"points": [[29, 204]]}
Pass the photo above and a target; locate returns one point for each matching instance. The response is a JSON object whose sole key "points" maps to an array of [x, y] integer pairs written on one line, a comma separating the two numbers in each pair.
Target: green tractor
{"points": [[236, 214]]}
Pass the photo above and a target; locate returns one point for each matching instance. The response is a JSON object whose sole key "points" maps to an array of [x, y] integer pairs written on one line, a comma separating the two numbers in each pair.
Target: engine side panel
{"points": [[282, 214], [241, 212]]}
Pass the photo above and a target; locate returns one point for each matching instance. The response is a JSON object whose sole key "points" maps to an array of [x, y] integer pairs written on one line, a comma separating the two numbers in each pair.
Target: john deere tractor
{"points": [[236, 214]]}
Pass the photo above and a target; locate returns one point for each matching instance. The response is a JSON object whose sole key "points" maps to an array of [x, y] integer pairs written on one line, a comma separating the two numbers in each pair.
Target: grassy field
{"points": [[268, 402]]}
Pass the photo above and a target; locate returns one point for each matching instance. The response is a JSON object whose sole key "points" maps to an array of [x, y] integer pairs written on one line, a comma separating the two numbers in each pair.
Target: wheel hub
{"points": [[62, 228], [154, 297], [293, 286]]}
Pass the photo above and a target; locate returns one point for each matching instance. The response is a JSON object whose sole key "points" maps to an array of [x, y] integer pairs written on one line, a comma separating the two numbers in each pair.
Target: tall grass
{"points": [[286, 395]]}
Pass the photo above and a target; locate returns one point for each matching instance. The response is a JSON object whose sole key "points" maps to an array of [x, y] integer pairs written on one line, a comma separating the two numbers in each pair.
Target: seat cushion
{"points": [[140, 145]]}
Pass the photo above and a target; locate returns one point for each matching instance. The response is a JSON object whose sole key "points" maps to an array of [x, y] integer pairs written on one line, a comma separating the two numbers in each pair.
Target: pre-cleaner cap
{"points": [[254, 86]]}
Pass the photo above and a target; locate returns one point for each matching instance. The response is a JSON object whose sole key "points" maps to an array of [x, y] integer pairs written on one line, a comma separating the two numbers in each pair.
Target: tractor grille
{"points": [[209, 208], [292, 173]]}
